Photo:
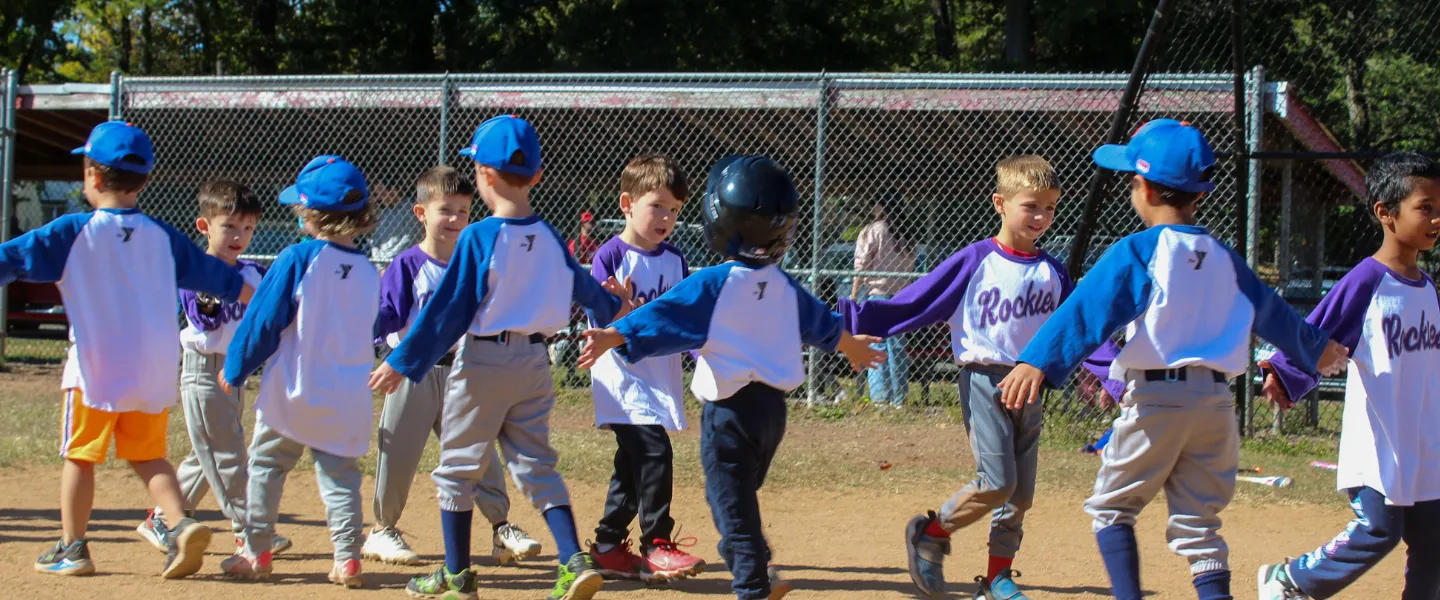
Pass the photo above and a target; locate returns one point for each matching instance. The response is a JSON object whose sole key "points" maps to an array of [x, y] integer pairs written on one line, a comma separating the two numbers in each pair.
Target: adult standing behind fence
{"points": [[885, 245]]}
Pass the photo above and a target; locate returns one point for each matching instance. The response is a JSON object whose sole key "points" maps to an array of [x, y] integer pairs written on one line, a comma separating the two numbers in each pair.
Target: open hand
{"points": [[597, 343], [623, 291], [1334, 360], [1022, 386], [857, 350], [385, 379]]}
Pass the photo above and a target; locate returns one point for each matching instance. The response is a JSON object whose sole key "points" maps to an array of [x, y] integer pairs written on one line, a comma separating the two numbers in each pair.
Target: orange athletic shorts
{"points": [[85, 432]]}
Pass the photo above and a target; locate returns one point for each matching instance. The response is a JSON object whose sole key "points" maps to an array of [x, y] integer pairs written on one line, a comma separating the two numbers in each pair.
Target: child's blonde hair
{"points": [[334, 223], [1025, 173]]}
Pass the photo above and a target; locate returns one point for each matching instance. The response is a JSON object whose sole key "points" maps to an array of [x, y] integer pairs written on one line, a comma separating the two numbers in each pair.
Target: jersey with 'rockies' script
{"points": [[993, 300], [646, 392], [1391, 324], [407, 284], [211, 334], [507, 275], [119, 271], [312, 323], [1187, 299], [747, 323]]}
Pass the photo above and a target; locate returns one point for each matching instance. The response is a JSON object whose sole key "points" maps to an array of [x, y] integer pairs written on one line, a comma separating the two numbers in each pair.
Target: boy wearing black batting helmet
{"points": [[747, 319]]}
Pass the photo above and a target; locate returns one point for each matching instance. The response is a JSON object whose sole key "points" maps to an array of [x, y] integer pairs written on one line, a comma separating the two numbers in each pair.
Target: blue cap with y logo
{"points": [[324, 183], [119, 145], [1168, 152], [506, 143]]}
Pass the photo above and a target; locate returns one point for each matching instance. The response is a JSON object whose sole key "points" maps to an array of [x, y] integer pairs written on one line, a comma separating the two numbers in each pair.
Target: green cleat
{"points": [[443, 585], [578, 579]]}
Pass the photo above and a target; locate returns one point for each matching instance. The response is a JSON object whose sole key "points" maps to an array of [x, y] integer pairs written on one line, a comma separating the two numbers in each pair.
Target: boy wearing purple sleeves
{"points": [[1385, 312]]}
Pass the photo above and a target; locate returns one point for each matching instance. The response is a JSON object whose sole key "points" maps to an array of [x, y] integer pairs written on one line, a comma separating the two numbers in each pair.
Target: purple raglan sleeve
{"points": [[190, 305], [929, 300], [397, 296], [606, 261], [1342, 313]]}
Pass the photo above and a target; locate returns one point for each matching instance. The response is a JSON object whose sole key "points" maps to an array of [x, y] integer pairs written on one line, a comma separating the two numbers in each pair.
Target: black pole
{"points": [[1149, 47], [1240, 154]]}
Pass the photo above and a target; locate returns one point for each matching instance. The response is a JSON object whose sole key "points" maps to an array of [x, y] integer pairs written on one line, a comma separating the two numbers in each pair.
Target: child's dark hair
{"points": [[1391, 179], [225, 197], [1174, 197], [341, 223], [120, 180], [442, 181]]}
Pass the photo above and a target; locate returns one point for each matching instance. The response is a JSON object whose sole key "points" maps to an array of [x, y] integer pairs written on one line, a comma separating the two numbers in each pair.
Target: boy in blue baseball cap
{"points": [[311, 324], [118, 271], [509, 285], [1190, 305]]}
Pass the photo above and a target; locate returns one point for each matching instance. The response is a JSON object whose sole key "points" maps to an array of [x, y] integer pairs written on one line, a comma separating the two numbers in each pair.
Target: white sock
{"points": [[603, 548]]}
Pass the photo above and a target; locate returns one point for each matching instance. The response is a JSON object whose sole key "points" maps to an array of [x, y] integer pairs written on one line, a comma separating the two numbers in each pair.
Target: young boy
{"points": [[508, 286], [229, 213], [442, 206], [639, 402], [994, 294], [311, 326], [118, 270], [748, 319], [1384, 310], [1190, 304]]}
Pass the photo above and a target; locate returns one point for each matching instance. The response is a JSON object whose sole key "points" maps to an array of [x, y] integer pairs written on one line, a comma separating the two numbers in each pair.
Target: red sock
{"points": [[997, 566], [935, 530]]}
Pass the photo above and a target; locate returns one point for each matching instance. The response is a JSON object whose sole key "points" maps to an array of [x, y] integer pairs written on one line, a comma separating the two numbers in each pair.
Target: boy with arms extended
{"points": [[1190, 304], [748, 320], [639, 402], [229, 213], [509, 285], [994, 294], [118, 270], [1385, 311], [311, 326], [442, 206]]}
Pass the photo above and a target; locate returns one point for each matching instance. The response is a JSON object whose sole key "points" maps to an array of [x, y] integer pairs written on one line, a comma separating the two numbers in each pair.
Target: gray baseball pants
{"points": [[1182, 437], [272, 456], [410, 414], [217, 442], [1006, 445], [499, 390]]}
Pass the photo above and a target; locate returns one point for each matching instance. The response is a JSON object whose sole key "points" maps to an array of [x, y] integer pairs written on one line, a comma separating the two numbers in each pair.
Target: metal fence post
{"points": [[116, 107], [445, 94], [7, 183], [1255, 130], [822, 110]]}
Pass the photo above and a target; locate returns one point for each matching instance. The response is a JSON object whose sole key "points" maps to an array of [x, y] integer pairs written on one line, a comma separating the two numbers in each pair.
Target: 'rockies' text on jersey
{"points": [[118, 271], [211, 334], [747, 323], [994, 302], [1188, 300], [311, 323], [1391, 324], [407, 284], [647, 392], [507, 275]]}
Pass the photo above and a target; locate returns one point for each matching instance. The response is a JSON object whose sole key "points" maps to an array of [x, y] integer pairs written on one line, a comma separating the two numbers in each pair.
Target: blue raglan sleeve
{"points": [[448, 314], [40, 254], [198, 271], [270, 312], [677, 321], [818, 326], [1277, 322], [1109, 297]]}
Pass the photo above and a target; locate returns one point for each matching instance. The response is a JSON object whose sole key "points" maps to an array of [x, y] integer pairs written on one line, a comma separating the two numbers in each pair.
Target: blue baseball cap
{"points": [[1168, 152], [497, 141], [323, 184], [119, 145]]}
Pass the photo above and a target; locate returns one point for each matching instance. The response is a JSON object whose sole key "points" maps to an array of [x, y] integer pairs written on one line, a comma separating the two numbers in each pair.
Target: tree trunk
{"points": [[147, 41], [1357, 102], [122, 41], [265, 14], [1019, 33], [944, 29]]}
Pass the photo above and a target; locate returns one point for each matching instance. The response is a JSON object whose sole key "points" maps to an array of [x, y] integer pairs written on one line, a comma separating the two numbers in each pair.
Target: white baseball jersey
{"points": [[118, 271], [649, 391], [311, 323], [1391, 324], [211, 334]]}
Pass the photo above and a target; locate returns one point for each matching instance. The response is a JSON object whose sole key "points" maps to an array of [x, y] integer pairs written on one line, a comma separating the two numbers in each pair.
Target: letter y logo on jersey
{"points": [[127, 232], [760, 294], [1198, 260], [344, 271], [529, 242]]}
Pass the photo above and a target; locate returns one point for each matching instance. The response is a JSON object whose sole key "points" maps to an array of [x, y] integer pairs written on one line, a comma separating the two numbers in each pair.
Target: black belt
{"points": [[504, 337], [447, 360], [1179, 374]]}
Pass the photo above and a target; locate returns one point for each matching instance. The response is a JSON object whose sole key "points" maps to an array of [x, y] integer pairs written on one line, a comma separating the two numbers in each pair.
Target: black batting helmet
{"points": [[749, 209]]}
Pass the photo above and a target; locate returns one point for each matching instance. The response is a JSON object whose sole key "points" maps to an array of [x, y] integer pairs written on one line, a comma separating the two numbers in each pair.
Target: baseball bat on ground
{"points": [[1272, 481], [1320, 464]]}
